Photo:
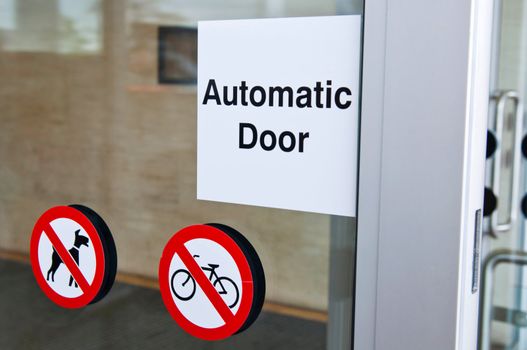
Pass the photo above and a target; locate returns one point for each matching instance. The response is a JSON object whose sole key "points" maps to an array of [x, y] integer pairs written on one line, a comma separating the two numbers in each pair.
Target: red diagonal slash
{"points": [[66, 258], [203, 281]]}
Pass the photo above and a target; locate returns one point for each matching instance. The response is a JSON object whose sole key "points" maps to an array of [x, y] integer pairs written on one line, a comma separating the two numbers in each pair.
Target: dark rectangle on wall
{"points": [[177, 55]]}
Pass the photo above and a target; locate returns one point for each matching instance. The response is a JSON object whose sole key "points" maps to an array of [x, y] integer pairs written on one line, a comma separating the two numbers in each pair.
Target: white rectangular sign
{"points": [[278, 103]]}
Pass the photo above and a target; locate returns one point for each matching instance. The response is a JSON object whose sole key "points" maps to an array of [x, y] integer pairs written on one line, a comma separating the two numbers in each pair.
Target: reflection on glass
{"points": [[191, 11], [78, 126], [177, 50], [59, 26]]}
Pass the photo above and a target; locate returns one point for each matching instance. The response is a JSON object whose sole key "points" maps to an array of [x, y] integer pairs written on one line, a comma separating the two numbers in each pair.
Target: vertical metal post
{"points": [[342, 253], [341, 275]]}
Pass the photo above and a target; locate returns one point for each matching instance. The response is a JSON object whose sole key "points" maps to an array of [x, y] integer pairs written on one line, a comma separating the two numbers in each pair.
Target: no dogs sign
{"points": [[73, 256], [211, 281]]}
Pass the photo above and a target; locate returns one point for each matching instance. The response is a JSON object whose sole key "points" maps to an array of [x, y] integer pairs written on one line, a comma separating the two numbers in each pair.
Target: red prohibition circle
{"points": [[216, 235], [41, 226]]}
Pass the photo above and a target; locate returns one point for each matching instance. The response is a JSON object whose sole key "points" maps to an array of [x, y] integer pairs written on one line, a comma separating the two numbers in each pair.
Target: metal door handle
{"points": [[501, 97], [486, 317]]}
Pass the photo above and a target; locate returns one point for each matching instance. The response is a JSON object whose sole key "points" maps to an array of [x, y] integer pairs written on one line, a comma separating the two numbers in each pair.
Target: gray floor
{"points": [[129, 317]]}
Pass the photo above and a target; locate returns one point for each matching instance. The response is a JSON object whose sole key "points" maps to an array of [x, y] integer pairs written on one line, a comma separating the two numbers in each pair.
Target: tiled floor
{"points": [[129, 317]]}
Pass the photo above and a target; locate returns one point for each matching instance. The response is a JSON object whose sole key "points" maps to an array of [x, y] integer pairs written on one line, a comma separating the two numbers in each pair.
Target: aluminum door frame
{"points": [[421, 175]]}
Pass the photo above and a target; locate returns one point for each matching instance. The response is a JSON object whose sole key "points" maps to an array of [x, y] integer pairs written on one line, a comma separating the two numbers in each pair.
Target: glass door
{"points": [[503, 310], [99, 108]]}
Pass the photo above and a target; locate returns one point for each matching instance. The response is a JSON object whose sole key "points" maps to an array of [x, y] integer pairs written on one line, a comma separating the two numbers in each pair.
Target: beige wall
{"points": [[96, 129]]}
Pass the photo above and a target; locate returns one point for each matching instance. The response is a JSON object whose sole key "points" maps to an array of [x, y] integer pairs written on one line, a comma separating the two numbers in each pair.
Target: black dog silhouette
{"points": [[56, 260]]}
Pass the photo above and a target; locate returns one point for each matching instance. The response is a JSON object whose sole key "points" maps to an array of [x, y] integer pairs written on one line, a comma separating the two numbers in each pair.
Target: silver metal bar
{"points": [[342, 254], [493, 85], [341, 277], [501, 98], [492, 261], [496, 44]]}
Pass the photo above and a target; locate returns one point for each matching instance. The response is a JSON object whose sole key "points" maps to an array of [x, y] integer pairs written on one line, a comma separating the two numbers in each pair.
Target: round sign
{"points": [[73, 256], [212, 281]]}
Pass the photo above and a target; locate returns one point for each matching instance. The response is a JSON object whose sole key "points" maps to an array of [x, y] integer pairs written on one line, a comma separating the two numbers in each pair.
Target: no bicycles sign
{"points": [[73, 256], [212, 281]]}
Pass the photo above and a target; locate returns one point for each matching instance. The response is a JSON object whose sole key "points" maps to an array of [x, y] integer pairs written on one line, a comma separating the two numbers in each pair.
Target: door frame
{"points": [[421, 172]]}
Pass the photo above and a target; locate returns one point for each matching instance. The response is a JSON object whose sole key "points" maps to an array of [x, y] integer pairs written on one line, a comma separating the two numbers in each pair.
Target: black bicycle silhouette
{"points": [[224, 285]]}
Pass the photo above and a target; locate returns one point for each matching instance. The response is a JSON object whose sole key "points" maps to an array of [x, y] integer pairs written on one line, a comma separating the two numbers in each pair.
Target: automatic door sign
{"points": [[280, 130], [73, 256], [212, 281]]}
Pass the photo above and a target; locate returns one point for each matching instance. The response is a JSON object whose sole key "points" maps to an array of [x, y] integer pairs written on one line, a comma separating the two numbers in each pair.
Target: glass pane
{"points": [[87, 119], [507, 300]]}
